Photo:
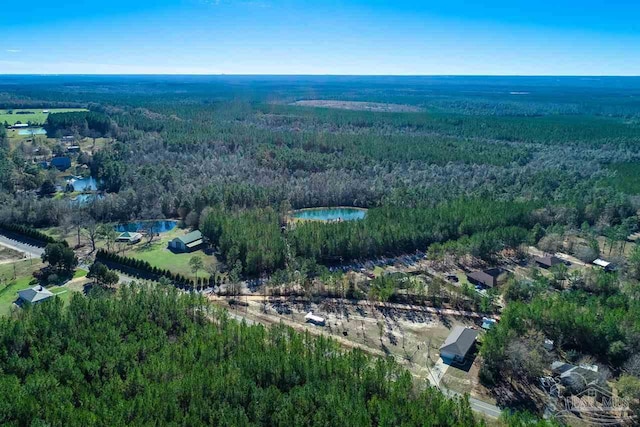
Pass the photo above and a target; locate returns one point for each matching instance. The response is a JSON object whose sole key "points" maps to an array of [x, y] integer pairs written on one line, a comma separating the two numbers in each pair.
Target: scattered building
{"points": [[128, 237], [548, 344], [68, 138], [605, 265], [458, 344], [576, 377], [187, 243], [488, 323], [61, 163], [34, 295], [312, 318], [488, 278], [547, 261], [45, 111], [73, 149], [19, 126]]}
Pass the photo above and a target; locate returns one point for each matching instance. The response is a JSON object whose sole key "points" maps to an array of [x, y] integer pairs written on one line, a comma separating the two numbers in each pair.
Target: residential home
{"points": [[34, 295], [547, 261], [488, 278], [458, 344]]}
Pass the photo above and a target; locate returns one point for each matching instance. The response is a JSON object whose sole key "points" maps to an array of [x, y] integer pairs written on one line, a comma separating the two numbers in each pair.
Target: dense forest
{"points": [[469, 167], [560, 152], [155, 357]]}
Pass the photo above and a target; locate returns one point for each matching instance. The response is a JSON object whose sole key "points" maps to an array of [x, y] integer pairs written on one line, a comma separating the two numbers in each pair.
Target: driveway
{"points": [[25, 248]]}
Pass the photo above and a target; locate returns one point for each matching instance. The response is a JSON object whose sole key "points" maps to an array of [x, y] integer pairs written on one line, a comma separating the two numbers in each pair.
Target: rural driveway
{"points": [[25, 248]]}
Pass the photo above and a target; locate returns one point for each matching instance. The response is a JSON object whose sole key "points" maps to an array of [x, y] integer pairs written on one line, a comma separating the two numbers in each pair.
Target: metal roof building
{"points": [[35, 294], [458, 343]]}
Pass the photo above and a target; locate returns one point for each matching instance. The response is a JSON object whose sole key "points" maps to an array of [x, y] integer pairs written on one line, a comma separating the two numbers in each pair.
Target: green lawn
{"points": [[38, 117], [9, 286], [159, 256]]}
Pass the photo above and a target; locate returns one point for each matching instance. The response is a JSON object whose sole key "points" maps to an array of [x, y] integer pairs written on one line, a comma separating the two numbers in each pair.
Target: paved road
{"points": [[25, 248]]}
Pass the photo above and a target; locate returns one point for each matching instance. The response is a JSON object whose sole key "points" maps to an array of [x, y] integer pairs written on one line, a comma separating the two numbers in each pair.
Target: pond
{"points": [[82, 184], [34, 131], [330, 214], [156, 226]]}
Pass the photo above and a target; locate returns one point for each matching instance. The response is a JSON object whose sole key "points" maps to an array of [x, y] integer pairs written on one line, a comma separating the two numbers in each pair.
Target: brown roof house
{"points": [[458, 344], [547, 261], [488, 278]]}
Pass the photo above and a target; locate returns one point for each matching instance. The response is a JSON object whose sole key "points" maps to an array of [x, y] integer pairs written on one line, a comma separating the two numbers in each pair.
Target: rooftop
{"points": [[35, 294], [459, 340]]}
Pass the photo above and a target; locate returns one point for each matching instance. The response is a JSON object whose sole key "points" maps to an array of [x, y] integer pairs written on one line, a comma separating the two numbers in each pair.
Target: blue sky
{"points": [[492, 37]]}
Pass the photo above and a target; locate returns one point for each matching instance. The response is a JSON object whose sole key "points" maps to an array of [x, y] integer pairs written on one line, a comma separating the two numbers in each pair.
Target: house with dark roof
{"points": [[458, 344], [547, 261], [61, 163], [187, 243], [488, 278], [34, 295], [576, 377]]}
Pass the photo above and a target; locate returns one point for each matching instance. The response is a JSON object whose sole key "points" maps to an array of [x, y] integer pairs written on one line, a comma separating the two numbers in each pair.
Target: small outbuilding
{"points": [[547, 261], [128, 237], [19, 126], [312, 318], [187, 243], [605, 265], [488, 323], [458, 344], [488, 278], [34, 295]]}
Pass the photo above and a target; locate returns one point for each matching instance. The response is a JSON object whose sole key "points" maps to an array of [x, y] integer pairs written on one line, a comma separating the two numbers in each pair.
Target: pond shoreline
{"points": [[333, 214]]}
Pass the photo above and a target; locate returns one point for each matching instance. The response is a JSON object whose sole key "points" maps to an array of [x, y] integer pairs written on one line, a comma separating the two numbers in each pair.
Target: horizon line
{"points": [[314, 75]]}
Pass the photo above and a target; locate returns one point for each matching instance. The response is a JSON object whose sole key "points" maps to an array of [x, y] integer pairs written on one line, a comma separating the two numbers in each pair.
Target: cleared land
{"points": [[14, 277], [157, 254], [359, 105], [35, 115]]}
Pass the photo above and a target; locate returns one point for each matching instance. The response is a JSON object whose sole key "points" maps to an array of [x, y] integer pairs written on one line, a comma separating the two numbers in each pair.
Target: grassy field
{"points": [[14, 277], [158, 255], [23, 270], [38, 117]]}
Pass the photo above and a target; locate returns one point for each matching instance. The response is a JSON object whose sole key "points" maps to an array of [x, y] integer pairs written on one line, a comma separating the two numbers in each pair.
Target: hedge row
{"points": [[143, 266], [31, 233]]}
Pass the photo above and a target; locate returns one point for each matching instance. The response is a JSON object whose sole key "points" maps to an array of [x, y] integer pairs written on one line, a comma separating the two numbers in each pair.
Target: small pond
{"points": [[82, 184], [156, 226], [330, 214], [35, 131]]}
